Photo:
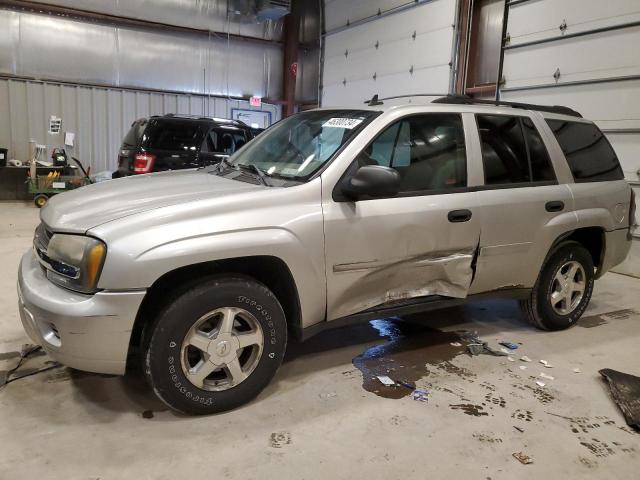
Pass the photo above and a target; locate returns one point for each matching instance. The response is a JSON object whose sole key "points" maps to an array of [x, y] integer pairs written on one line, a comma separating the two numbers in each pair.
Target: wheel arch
{"points": [[272, 271], [592, 238]]}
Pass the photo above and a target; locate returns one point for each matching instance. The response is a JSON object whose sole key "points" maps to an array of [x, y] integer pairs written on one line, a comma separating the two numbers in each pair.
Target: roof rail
{"points": [[379, 101], [466, 100]]}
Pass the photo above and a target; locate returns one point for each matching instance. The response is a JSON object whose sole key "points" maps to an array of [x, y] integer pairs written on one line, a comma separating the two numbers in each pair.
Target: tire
{"points": [[40, 200], [540, 308], [193, 334]]}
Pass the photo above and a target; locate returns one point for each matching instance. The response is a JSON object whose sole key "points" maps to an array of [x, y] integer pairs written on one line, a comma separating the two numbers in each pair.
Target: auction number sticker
{"points": [[347, 123]]}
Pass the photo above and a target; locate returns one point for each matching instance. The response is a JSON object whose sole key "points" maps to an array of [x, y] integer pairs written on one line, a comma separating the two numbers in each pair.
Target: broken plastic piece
{"points": [[509, 345], [524, 358], [546, 377], [420, 396], [523, 367], [522, 458], [540, 384], [455, 344], [386, 380], [577, 370], [511, 359], [546, 364], [625, 390]]}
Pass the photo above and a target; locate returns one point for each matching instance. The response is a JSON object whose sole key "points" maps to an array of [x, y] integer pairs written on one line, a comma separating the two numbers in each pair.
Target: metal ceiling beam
{"points": [[114, 20]]}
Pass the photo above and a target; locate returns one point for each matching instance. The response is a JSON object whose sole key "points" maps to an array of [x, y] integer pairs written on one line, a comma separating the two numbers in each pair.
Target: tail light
{"points": [[143, 163]]}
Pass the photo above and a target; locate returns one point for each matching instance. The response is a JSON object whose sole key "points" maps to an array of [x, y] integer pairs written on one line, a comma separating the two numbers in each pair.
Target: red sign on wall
{"points": [[294, 69]]}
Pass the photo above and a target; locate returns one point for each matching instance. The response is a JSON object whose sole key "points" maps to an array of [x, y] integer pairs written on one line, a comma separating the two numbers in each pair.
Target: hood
{"points": [[79, 210]]}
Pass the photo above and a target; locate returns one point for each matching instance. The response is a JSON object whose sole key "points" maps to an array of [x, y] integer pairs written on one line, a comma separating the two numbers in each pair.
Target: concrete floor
{"points": [[317, 421]]}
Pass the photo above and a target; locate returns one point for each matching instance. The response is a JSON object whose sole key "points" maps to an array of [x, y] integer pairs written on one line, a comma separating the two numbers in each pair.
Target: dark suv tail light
{"points": [[143, 163]]}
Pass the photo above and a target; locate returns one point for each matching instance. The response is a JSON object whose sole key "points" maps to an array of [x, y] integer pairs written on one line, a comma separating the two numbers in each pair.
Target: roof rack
{"points": [[229, 121], [466, 100]]}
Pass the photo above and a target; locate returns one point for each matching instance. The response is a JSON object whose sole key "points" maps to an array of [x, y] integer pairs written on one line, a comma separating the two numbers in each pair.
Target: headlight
{"points": [[75, 261]]}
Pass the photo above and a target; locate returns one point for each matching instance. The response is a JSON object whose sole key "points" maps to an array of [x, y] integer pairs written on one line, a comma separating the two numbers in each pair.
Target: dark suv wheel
{"points": [[215, 346], [563, 289]]}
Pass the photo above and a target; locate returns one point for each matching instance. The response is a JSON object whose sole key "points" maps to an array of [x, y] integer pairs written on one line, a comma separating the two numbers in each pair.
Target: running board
{"points": [[407, 307]]}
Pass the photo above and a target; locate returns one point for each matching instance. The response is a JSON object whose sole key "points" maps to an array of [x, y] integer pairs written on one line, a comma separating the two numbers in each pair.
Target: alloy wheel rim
{"points": [[568, 287], [221, 349]]}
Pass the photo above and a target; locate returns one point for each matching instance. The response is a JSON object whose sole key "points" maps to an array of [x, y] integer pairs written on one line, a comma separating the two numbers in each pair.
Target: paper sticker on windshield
{"points": [[347, 123]]}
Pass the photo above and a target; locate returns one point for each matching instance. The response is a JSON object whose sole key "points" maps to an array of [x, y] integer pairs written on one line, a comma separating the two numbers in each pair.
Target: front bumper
{"points": [[86, 332]]}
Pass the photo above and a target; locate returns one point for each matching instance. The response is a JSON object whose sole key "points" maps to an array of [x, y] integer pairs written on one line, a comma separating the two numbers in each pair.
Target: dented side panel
{"points": [[382, 251]]}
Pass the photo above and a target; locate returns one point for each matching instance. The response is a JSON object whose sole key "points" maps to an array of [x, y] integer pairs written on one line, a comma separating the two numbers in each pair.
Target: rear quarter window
{"points": [[588, 152], [133, 136], [174, 135]]}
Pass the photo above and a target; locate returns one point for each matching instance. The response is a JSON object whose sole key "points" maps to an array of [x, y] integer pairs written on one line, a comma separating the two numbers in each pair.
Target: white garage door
{"points": [[386, 47], [583, 54]]}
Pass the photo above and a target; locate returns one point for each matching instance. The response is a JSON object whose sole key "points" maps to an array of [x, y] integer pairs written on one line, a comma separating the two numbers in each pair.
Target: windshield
{"points": [[298, 146]]}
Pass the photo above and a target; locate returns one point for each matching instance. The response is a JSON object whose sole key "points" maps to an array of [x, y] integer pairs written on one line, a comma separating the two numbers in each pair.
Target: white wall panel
{"points": [[541, 19], [99, 117], [401, 53]]}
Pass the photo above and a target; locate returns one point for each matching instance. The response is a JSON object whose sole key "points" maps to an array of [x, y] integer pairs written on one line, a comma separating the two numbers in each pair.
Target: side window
{"points": [[588, 152], [541, 168], [208, 145], [428, 151], [504, 152]]}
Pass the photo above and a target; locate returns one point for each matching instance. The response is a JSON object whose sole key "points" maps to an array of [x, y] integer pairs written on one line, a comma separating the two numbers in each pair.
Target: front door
{"points": [[421, 242]]}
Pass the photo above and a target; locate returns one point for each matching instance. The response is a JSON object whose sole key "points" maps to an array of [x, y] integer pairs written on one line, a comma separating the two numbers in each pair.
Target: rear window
{"points": [[174, 135], [588, 152], [133, 136]]}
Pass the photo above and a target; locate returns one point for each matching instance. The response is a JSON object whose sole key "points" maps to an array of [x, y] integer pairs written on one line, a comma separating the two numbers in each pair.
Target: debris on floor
{"points": [[546, 377], [523, 458], [524, 358], [420, 396], [455, 344], [27, 351], [576, 370], [625, 390], [521, 430], [546, 364], [509, 345], [540, 384], [476, 346], [385, 380], [523, 367], [147, 414]]}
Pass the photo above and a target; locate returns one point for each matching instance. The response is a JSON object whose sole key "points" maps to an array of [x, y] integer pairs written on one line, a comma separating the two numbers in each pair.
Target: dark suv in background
{"points": [[174, 142]]}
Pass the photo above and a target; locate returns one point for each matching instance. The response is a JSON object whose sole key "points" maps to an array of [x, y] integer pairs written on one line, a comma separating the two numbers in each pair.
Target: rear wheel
{"points": [[563, 290], [40, 200], [216, 346]]}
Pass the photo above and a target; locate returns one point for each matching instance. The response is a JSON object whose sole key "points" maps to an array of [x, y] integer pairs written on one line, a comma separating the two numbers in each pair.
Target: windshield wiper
{"points": [[224, 162], [257, 170]]}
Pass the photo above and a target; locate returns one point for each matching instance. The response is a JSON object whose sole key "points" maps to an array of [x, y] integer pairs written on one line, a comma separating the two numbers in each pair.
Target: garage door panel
{"points": [[339, 12], [539, 20], [412, 55], [610, 54], [393, 57], [613, 105]]}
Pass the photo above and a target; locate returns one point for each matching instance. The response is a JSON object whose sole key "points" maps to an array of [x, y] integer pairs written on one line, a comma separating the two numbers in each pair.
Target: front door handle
{"points": [[459, 216], [555, 206]]}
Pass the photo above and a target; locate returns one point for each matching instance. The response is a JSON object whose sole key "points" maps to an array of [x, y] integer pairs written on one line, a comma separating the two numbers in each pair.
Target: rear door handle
{"points": [[555, 206], [459, 216]]}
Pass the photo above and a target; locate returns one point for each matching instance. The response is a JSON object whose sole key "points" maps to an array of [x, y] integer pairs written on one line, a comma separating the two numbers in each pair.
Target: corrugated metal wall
{"points": [[583, 54], [99, 117], [386, 47], [54, 48]]}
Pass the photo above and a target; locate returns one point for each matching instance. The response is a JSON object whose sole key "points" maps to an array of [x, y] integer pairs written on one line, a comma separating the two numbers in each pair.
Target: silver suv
{"points": [[331, 216]]}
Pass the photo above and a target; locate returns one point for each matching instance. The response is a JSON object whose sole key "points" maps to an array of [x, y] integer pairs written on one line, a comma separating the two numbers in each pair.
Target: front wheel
{"points": [[563, 289], [216, 346]]}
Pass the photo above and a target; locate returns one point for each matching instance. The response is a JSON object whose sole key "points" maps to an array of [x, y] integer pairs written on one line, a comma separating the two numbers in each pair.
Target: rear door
{"points": [[419, 243], [522, 206]]}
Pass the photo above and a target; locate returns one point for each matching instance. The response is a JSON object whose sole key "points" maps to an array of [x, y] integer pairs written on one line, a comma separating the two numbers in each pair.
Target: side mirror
{"points": [[372, 181]]}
